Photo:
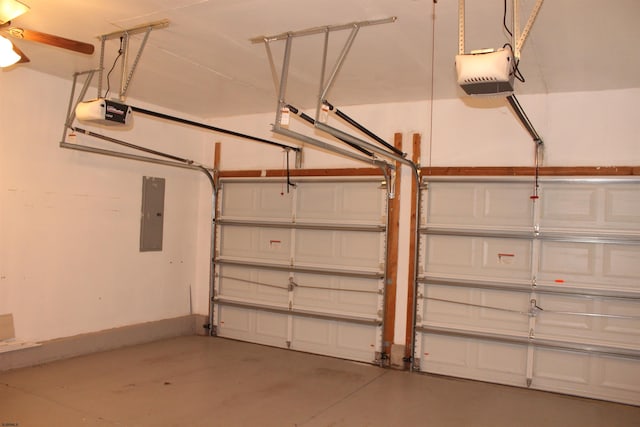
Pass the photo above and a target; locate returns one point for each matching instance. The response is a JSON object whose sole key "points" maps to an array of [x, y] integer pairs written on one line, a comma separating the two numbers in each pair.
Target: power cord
{"points": [[115, 61]]}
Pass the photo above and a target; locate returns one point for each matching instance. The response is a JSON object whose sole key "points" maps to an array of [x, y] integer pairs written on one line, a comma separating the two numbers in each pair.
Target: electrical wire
{"points": [[504, 19], [516, 62], [115, 61], [289, 183], [285, 165]]}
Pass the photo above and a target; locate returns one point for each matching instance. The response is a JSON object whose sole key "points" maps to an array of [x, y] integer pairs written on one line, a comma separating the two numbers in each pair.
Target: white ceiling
{"points": [[203, 63]]}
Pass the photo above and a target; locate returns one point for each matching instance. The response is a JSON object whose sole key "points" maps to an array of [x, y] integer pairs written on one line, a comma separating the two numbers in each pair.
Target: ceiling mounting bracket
{"points": [[280, 82], [321, 30], [124, 36], [288, 36], [518, 38]]}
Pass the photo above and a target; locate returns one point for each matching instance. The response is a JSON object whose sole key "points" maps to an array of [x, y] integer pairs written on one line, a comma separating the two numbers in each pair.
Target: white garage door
{"points": [[304, 268], [532, 292]]}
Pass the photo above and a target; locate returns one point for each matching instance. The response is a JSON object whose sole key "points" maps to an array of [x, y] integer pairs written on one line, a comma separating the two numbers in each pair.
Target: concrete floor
{"points": [[202, 381]]}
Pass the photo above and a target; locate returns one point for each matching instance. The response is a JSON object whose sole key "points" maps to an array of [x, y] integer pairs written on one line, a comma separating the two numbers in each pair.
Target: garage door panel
{"points": [[503, 307], [338, 248], [312, 333], [567, 259], [255, 285], [474, 359], [570, 263], [452, 205], [346, 295], [234, 281], [236, 320], [507, 256], [353, 337], [334, 338], [620, 374], [561, 367], [256, 243], [447, 254], [622, 205], [590, 207], [484, 204], [248, 200], [485, 310], [502, 359], [581, 374], [347, 202], [271, 325], [568, 205], [629, 326], [548, 322], [622, 262], [252, 325], [508, 206], [434, 311], [481, 257], [627, 330], [571, 318], [439, 352]]}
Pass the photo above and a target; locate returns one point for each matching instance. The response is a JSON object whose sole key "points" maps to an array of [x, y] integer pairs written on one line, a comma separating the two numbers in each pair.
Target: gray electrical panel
{"points": [[152, 215]]}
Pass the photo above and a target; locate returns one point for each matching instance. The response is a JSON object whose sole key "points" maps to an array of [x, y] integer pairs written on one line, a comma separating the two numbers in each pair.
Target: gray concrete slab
{"points": [[202, 381]]}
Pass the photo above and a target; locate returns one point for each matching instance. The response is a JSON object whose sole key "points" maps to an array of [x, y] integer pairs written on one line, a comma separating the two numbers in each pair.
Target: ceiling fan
{"points": [[10, 53]]}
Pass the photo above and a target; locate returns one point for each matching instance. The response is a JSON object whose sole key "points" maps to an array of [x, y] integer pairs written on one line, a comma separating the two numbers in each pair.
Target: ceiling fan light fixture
{"points": [[10, 9], [8, 56]]}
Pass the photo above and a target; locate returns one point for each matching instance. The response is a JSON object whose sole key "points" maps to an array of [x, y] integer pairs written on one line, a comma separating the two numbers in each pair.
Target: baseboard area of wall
{"points": [[78, 345]]}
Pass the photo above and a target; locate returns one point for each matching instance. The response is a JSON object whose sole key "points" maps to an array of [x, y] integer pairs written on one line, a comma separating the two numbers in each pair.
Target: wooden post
{"points": [[412, 248], [216, 161], [392, 260]]}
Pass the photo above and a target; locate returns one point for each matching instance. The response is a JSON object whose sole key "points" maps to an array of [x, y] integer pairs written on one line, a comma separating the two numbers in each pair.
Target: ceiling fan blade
{"points": [[23, 58], [57, 41]]}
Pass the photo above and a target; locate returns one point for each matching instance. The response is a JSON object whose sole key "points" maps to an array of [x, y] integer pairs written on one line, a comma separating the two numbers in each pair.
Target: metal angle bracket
{"points": [[124, 35], [299, 159], [519, 40], [71, 110]]}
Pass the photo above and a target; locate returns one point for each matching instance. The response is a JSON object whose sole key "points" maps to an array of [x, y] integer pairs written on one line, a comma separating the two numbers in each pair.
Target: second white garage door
{"points": [[532, 292]]}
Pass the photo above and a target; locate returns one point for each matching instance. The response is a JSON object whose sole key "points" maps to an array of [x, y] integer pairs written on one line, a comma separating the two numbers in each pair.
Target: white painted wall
{"points": [[69, 221], [578, 129]]}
